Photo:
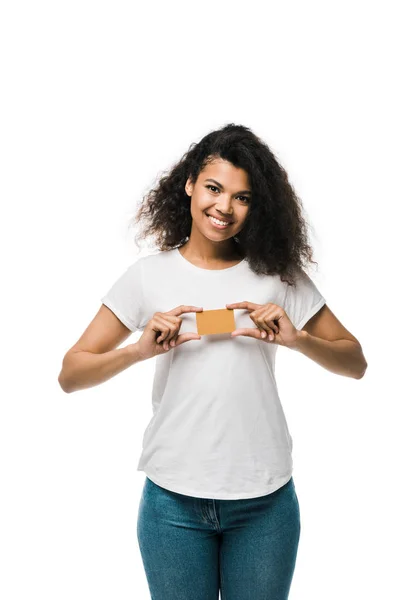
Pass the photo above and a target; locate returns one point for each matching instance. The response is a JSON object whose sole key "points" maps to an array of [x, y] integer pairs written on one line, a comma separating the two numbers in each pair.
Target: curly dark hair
{"points": [[274, 238]]}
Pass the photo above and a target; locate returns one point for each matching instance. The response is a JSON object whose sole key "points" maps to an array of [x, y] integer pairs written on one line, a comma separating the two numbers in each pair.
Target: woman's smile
{"points": [[218, 224]]}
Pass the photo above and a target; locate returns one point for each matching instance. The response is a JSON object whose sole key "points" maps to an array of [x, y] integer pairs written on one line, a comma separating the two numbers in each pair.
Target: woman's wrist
{"points": [[301, 334], [133, 351]]}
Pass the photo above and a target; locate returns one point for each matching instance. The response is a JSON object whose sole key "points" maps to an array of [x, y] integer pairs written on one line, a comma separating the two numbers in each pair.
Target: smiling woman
{"points": [[231, 237], [231, 175], [218, 212]]}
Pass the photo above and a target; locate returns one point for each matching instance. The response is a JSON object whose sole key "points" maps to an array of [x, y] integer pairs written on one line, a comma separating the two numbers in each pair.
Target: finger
{"points": [[185, 337], [269, 320], [270, 333], [170, 331], [265, 330], [166, 337], [167, 328], [251, 332], [244, 304], [273, 326], [263, 325], [267, 327], [172, 341], [266, 320], [183, 308]]}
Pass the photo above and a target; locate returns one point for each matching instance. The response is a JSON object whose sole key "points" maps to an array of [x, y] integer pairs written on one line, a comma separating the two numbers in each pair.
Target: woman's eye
{"points": [[215, 188]]}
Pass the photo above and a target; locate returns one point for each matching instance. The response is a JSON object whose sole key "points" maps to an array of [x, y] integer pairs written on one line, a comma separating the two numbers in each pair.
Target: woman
{"points": [[219, 510]]}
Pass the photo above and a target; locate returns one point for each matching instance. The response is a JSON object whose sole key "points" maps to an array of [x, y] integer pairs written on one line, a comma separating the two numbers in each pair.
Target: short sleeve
{"points": [[125, 298], [303, 300]]}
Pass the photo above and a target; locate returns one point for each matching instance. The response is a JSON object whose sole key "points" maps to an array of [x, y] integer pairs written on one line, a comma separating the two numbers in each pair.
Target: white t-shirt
{"points": [[218, 429]]}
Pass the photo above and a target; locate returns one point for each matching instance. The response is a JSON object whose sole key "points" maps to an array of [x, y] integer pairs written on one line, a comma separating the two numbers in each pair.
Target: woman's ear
{"points": [[189, 187]]}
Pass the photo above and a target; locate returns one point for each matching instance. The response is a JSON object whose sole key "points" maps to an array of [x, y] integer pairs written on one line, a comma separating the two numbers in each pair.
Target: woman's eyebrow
{"points": [[221, 186]]}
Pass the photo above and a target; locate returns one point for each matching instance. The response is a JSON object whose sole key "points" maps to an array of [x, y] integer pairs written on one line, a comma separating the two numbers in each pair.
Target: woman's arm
{"points": [[343, 357], [82, 369], [326, 341], [96, 357]]}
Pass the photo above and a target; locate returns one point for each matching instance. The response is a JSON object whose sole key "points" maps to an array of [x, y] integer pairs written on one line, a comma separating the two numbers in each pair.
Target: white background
{"points": [[98, 99]]}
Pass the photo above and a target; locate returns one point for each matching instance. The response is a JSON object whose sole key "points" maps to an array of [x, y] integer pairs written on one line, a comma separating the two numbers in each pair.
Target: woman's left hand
{"points": [[271, 320]]}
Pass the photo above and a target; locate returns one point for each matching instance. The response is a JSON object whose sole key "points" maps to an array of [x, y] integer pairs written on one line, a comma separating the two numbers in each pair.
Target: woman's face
{"points": [[222, 191]]}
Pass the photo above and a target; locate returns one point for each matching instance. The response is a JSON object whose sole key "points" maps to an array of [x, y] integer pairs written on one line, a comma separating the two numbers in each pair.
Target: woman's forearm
{"points": [[82, 369], [343, 357]]}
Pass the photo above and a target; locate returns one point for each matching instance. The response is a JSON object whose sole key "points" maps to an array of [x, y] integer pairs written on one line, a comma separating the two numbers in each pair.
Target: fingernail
{"points": [[271, 337], [263, 334]]}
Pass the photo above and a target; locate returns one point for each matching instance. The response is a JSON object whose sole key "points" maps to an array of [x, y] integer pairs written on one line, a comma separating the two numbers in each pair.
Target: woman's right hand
{"points": [[151, 343]]}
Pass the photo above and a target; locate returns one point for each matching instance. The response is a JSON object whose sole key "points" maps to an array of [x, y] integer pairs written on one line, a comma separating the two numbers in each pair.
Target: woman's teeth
{"points": [[217, 222]]}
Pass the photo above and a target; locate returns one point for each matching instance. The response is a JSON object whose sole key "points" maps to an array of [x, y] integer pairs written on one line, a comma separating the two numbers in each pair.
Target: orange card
{"points": [[215, 321]]}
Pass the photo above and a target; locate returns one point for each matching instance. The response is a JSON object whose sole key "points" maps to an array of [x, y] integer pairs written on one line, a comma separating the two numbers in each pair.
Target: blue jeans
{"points": [[193, 548]]}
